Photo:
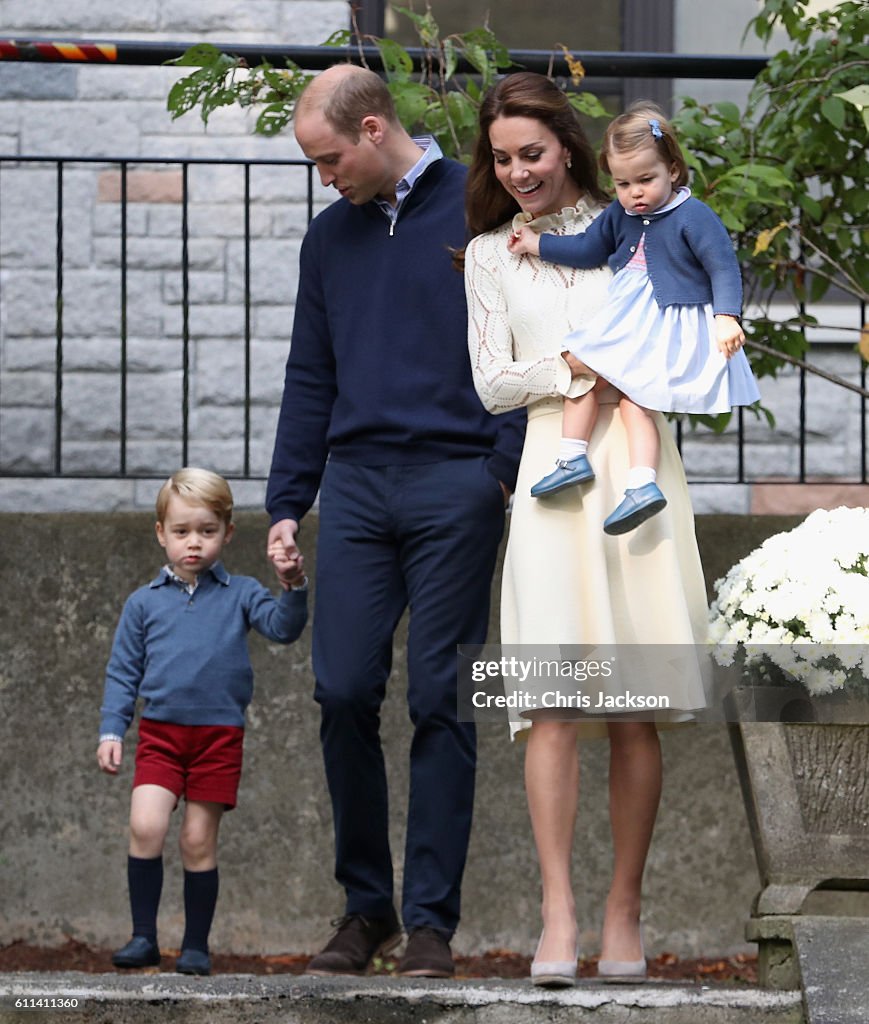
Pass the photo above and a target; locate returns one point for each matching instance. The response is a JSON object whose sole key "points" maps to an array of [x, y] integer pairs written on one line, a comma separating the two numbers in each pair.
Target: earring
{"points": [[568, 163]]}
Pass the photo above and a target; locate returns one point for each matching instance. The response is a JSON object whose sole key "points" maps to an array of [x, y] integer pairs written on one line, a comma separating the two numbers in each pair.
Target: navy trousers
{"points": [[423, 537]]}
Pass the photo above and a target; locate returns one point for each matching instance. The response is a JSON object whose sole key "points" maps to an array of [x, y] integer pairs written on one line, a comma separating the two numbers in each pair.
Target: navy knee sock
{"points": [[145, 880], [200, 899]]}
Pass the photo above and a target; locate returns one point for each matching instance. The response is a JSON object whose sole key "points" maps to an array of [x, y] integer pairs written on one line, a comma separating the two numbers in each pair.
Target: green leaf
{"points": [[274, 118], [587, 103], [477, 56], [486, 39], [450, 58], [818, 287], [202, 55], [425, 25], [730, 220], [834, 111], [340, 37], [412, 101], [729, 112], [811, 206], [396, 60], [195, 90]]}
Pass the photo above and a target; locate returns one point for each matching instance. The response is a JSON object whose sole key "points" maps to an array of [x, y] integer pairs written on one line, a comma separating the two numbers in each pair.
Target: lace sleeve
{"points": [[502, 381]]}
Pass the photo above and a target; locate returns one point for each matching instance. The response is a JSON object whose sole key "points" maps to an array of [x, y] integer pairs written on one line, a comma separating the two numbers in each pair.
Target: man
{"points": [[411, 504]]}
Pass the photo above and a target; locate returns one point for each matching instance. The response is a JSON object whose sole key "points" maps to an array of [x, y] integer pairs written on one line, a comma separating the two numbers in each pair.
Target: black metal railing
{"points": [[786, 450], [16, 461], [751, 448]]}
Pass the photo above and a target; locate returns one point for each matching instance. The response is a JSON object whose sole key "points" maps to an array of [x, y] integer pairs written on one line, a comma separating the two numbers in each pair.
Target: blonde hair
{"points": [[644, 124], [199, 487]]}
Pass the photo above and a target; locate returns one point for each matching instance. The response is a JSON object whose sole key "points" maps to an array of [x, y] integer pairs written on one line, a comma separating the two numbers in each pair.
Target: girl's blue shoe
{"points": [[566, 474], [638, 505]]}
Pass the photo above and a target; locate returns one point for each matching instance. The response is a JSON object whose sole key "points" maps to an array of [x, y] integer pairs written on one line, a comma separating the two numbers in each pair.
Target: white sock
{"points": [[639, 476], [571, 448]]}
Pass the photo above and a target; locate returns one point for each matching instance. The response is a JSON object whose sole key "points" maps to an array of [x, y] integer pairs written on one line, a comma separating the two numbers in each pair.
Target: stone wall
{"points": [[102, 111], [63, 579]]}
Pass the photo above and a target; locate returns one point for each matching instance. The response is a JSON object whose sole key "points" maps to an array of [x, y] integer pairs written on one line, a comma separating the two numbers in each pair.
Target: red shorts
{"points": [[199, 762]]}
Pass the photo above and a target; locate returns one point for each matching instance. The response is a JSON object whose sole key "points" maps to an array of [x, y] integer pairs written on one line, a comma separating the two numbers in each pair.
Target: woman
{"points": [[565, 582]]}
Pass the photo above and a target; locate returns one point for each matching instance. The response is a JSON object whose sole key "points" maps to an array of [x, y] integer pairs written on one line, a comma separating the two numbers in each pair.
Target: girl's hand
{"points": [[729, 334], [109, 754], [524, 240]]}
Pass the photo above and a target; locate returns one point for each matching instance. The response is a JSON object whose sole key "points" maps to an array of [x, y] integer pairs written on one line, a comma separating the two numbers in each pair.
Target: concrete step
{"points": [[834, 964], [292, 999]]}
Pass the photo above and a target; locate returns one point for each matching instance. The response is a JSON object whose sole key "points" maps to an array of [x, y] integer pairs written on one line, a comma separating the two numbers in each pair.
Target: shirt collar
{"points": [[167, 575], [431, 152], [682, 193]]}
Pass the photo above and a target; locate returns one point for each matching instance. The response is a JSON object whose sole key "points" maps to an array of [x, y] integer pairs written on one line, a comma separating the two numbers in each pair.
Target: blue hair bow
{"points": [[655, 125]]}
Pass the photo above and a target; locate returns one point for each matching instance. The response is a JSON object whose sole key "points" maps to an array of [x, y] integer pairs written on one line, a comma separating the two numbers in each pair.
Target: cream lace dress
{"points": [[565, 582]]}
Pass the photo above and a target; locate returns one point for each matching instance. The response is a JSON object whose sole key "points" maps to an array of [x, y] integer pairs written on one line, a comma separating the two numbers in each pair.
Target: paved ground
{"points": [[289, 999]]}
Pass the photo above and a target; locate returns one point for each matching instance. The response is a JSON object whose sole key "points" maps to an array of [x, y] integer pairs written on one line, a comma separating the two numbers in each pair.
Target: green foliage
{"points": [[435, 100], [788, 175], [224, 81]]}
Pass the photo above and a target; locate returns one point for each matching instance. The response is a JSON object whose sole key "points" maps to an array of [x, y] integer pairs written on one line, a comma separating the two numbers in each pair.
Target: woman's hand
{"points": [[577, 367]]}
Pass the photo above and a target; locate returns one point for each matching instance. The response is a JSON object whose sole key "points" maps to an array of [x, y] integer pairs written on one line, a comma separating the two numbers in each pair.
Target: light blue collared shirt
{"points": [[431, 152]]}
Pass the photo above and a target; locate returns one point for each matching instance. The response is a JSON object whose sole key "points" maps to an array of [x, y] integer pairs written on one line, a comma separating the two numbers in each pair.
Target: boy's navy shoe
{"points": [[138, 952], [427, 955], [193, 961], [355, 944], [567, 472], [638, 505]]}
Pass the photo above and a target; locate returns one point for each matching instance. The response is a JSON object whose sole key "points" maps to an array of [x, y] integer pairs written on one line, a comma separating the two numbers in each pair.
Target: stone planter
{"points": [[806, 792]]}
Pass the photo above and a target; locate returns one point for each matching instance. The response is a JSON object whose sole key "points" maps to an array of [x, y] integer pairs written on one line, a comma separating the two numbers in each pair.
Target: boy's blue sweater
{"points": [[378, 372], [689, 254], [186, 654]]}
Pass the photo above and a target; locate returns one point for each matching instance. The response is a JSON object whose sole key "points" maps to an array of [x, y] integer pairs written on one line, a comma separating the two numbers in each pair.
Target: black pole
{"points": [[601, 64]]}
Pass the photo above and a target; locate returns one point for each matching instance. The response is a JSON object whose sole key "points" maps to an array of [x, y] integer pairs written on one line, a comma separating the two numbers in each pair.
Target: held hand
{"points": [[282, 536], [109, 754], [729, 334], [290, 571], [577, 367], [524, 240], [284, 554]]}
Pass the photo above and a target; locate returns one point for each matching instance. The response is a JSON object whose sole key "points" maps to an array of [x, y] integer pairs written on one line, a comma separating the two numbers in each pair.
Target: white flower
{"points": [[800, 602]]}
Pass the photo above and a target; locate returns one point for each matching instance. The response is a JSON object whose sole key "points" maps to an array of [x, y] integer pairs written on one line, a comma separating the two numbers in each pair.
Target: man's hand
{"points": [[284, 554]]}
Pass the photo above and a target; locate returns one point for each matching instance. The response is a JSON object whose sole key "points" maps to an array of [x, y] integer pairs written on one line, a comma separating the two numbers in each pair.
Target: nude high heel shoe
{"points": [[553, 973], [624, 971]]}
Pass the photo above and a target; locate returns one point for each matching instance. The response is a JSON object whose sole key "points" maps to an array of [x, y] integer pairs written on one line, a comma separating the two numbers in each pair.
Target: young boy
{"points": [[181, 645]]}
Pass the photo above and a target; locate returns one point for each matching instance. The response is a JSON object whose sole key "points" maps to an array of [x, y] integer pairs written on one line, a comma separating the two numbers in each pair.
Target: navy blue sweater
{"points": [[378, 372], [689, 254]]}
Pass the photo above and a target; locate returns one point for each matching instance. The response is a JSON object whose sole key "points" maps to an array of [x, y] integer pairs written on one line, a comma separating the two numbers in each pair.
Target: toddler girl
{"points": [[669, 337]]}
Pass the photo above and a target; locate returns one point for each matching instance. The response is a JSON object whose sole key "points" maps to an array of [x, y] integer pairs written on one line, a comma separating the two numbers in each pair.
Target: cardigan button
{"points": [[633, 248], [647, 222]]}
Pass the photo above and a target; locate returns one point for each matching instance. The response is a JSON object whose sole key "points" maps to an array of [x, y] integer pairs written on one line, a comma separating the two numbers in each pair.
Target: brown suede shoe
{"points": [[427, 955], [355, 944]]}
